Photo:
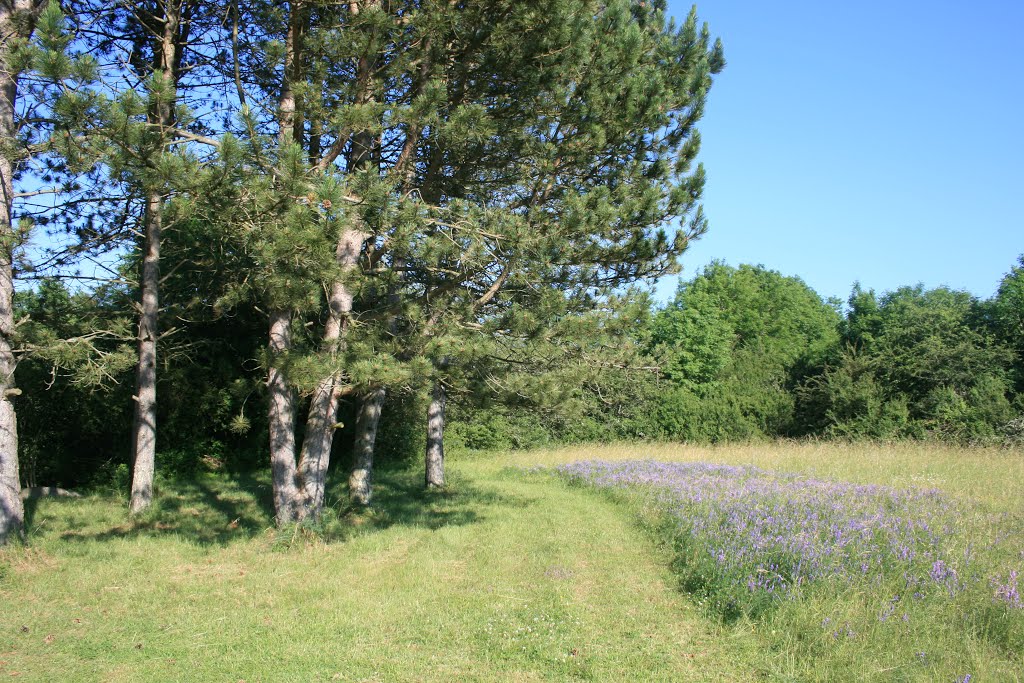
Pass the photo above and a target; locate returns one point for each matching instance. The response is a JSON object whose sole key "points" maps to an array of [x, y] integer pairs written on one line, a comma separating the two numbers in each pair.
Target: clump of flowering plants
{"points": [[746, 538]]}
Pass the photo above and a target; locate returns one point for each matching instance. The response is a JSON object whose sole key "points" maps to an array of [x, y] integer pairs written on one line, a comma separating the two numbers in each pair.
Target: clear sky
{"points": [[873, 141]]}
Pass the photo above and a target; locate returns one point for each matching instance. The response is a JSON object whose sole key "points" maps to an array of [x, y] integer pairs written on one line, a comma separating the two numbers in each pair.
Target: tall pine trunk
{"points": [[281, 423], [144, 426], [281, 400], [166, 55], [17, 20], [12, 514], [435, 437], [360, 482]]}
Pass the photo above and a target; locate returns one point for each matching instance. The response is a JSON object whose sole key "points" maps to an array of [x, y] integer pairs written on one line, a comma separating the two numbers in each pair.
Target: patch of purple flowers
{"points": [[765, 533], [1006, 591]]}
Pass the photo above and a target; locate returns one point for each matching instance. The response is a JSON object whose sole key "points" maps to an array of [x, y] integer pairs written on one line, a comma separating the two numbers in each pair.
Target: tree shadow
{"points": [[401, 499], [29, 506], [218, 510], [206, 510]]}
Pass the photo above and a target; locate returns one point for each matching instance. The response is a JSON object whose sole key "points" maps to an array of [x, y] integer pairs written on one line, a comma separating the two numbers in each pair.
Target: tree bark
{"points": [[166, 55], [144, 426], [288, 118], [360, 482], [12, 514], [323, 408], [288, 498], [322, 419], [435, 437], [17, 20], [316, 448], [281, 423]]}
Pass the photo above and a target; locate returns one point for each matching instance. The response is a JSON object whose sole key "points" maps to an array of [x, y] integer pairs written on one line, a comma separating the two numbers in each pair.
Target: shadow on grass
{"points": [[400, 499], [221, 510], [29, 506], [207, 510]]}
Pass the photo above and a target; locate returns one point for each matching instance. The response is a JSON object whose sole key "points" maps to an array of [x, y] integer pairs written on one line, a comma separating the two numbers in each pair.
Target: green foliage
{"points": [[1005, 313], [683, 415], [195, 457], [565, 379], [919, 364], [750, 353], [546, 147], [856, 405], [734, 343], [401, 438], [494, 429], [74, 407], [209, 381]]}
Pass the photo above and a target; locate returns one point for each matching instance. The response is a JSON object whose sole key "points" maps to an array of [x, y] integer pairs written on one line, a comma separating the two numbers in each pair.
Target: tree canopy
{"points": [[389, 184], [325, 223]]}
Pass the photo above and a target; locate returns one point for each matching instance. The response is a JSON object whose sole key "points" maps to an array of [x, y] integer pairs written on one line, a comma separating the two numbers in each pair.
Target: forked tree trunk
{"points": [[435, 437], [322, 420], [17, 19], [360, 482], [323, 409]]}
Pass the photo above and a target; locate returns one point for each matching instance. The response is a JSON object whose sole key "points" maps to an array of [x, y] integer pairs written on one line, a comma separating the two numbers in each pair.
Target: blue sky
{"points": [[873, 141]]}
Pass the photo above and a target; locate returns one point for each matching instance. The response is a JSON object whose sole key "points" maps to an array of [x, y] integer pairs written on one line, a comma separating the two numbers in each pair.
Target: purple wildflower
{"points": [[1008, 592], [768, 532]]}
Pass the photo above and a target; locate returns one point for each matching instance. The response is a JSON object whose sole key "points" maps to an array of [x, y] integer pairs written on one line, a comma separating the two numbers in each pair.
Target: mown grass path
{"points": [[503, 578]]}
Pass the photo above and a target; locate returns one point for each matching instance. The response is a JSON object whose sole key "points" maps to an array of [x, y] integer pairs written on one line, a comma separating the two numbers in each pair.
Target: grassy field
{"points": [[505, 576]]}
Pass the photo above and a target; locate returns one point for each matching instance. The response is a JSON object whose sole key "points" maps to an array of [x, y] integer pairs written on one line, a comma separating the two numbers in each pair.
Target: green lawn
{"points": [[505, 576]]}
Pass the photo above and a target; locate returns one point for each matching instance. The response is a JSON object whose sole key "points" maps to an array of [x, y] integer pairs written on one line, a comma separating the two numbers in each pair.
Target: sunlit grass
{"points": [[496, 579], [899, 619], [990, 475], [501, 577]]}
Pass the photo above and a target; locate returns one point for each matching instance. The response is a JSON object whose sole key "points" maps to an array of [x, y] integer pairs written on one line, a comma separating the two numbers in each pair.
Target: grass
{"points": [[991, 476], [500, 577], [846, 582]]}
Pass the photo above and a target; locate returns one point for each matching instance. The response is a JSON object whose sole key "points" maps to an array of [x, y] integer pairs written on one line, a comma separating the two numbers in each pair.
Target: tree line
{"points": [[327, 237], [268, 224], [738, 354], [746, 353]]}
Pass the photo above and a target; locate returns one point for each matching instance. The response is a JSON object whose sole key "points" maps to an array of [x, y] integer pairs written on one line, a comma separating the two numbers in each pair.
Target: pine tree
{"points": [[17, 21], [435, 168], [166, 28], [577, 184], [137, 133], [34, 102]]}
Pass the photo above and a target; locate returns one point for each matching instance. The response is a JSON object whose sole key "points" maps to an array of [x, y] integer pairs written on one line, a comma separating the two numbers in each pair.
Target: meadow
{"points": [[521, 571]]}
